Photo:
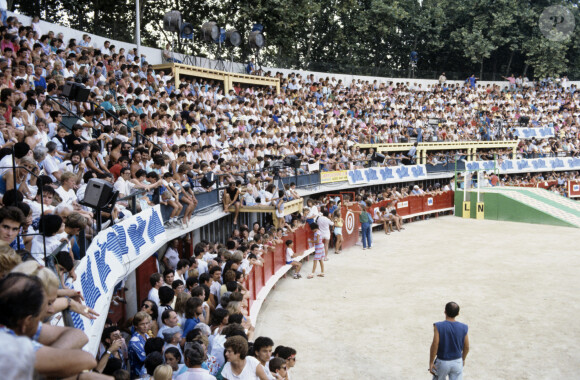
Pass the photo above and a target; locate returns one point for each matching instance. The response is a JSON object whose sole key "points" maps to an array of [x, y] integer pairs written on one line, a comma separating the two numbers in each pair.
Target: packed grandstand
{"points": [[182, 146]]}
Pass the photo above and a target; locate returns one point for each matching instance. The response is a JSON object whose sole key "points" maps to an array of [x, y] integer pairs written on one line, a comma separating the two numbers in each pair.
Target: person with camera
{"points": [[115, 351]]}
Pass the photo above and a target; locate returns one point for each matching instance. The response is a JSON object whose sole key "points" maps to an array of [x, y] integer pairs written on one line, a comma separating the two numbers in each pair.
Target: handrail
{"points": [[54, 99], [125, 124], [96, 105], [133, 196]]}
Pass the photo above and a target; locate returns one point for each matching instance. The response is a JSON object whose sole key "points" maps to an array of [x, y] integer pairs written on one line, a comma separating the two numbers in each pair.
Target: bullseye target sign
{"points": [[349, 222]]}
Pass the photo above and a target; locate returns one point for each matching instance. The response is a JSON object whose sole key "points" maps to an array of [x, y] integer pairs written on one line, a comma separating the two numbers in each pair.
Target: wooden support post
{"points": [[176, 75]]}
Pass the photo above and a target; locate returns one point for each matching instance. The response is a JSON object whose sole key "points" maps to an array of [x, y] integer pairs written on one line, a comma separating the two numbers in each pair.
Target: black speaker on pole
{"points": [[293, 162], [75, 92], [524, 121], [83, 94], [69, 89], [208, 180], [98, 193], [377, 157]]}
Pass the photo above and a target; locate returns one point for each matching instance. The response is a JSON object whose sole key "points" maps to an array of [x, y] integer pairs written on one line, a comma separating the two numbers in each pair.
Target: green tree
{"points": [[548, 58], [372, 37]]}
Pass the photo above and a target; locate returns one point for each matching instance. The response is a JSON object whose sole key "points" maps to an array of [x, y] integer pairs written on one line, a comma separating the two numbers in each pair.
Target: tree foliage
{"points": [[491, 38]]}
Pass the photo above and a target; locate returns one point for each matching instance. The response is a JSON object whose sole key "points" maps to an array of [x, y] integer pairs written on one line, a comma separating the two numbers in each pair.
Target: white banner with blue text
{"points": [[537, 132], [387, 174], [113, 254], [527, 165]]}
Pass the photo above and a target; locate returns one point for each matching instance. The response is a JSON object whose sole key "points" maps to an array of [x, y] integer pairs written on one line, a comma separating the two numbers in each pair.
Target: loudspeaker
{"points": [[172, 21], [377, 157], [98, 193], [75, 92], [208, 180], [82, 94], [69, 89], [292, 162], [524, 120]]}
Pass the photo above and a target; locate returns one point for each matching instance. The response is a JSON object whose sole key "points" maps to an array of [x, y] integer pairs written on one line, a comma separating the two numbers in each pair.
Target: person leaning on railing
{"points": [[26, 300]]}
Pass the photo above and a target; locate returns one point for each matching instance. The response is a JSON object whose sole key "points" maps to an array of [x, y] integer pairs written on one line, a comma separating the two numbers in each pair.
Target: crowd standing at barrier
{"points": [[162, 142], [557, 182]]}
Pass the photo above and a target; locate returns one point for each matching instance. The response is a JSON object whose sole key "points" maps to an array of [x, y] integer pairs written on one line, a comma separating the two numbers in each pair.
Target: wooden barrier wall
{"points": [[275, 259], [573, 189], [417, 205]]}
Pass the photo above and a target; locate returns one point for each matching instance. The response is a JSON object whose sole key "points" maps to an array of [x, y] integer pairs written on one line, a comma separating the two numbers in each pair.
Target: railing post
{"points": [[134, 204], [82, 242]]}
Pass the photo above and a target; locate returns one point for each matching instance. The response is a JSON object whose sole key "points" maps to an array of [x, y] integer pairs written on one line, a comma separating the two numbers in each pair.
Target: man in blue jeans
{"points": [[365, 224], [450, 345]]}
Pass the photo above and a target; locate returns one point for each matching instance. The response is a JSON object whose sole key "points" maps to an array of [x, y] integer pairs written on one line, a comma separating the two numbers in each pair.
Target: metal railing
{"points": [[95, 119], [129, 129]]}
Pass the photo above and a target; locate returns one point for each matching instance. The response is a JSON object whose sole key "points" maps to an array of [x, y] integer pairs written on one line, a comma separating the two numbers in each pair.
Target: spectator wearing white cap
{"points": [[172, 338]]}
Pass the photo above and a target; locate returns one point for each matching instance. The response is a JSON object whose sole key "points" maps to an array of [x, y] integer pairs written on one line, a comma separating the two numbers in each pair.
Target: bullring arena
{"points": [[156, 204], [371, 316]]}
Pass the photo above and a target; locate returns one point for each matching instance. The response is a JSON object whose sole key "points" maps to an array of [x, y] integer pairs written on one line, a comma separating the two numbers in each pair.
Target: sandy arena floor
{"points": [[518, 286]]}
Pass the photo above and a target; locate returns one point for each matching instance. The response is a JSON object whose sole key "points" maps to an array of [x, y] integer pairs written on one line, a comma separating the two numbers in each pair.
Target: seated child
{"points": [[296, 265]]}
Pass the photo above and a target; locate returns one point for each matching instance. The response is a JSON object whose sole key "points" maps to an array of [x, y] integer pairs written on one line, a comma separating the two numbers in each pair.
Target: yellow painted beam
{"points": [[289, 208], [227, 78]]}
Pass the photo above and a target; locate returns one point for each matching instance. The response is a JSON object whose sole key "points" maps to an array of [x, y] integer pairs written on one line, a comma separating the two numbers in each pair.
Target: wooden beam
{"points": [[422, 148], [289, 208], [227, 78]]}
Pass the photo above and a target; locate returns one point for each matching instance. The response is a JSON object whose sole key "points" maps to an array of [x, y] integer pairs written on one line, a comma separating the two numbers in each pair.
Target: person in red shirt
{"points": [[8, 100], [116, 169], [494, 179]]}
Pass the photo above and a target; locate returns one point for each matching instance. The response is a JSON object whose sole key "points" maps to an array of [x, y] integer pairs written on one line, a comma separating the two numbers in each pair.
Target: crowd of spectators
{"points": [[198, 306], [194, 323], [556, 182], [144, 133], [170, 135]]}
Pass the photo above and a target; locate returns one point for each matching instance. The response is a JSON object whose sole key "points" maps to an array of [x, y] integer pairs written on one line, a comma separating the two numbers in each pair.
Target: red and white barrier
{"points": [[573, 189]]}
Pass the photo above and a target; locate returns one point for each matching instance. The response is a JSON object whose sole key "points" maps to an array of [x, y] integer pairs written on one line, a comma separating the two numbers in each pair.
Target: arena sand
{"points": [[518, 286]]}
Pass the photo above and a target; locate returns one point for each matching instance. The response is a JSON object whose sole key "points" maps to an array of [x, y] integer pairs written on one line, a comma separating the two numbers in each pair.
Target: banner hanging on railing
{"points": [[334, 176], [538, 132], [527, 165], [314, 167], [387, 174], [111, 257]]}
